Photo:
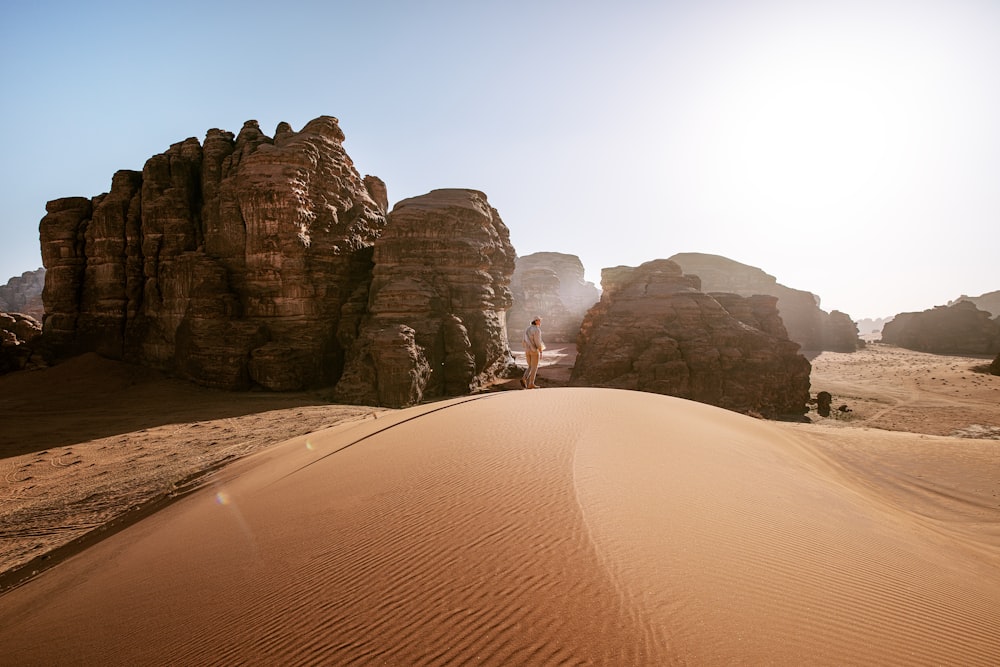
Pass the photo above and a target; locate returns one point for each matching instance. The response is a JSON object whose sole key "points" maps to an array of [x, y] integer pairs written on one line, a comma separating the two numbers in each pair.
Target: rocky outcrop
{"points": [[18, 335], [957, 329], [840, 333], [433, 320], [227, 263], [654, 330], [807, 324], [990, 302], [23, 294], [995, 366], [549, 285]]}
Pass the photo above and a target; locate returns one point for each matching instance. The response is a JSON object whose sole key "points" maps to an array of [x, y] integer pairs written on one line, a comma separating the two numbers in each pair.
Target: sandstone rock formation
{"points": [[226, 263], [807, 324], [23, 294], [957, 329], [654, 330], [840, 333], [18, 335], [990, 302], [549, 285], [433, 322]]}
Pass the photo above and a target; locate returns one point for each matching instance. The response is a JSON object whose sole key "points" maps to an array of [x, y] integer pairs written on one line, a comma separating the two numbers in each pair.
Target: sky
{"points": [[847, 148]]}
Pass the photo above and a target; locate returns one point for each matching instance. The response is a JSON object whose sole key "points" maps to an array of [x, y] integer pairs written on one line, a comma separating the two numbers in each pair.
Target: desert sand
{"points": [[146, 521]]}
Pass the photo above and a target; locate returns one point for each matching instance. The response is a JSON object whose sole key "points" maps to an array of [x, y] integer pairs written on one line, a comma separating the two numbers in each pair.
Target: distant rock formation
{"points": [[654, 330], [868, 326], [961, 328], [807, 324], [840, 333], [23, 294], [549, 285], [226, 263], [433, 320], [990, 302], [18, 334]]}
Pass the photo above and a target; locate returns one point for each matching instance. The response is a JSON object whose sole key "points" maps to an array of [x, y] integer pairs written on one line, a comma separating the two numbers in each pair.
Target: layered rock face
{"points": [[433, 322], [654, 330], [23, 294], [550, 285], [18, 333], [957, 329], [226, 263], [807, 324]]}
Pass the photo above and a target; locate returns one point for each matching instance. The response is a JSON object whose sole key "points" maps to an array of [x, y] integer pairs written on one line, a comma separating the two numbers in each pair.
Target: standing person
{"points": [[533, 347]]}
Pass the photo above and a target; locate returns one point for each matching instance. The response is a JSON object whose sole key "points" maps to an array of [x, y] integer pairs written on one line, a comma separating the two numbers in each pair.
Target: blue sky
{"points": [[851, 149]]}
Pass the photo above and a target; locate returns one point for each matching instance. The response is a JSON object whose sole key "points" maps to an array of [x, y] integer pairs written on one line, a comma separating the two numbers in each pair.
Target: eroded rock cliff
{"points": [[807, 324], [227, 263], [23, 294], [550, 285], [961, 328], [990, 302], [433, 322], [655, 330]]}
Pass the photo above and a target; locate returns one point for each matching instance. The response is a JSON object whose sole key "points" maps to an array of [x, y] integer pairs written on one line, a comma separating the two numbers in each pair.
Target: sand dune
{"points": [[560, 526]]}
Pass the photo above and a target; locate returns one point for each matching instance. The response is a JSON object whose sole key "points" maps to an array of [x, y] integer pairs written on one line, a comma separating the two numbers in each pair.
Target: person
{"points": [[533, 347]]}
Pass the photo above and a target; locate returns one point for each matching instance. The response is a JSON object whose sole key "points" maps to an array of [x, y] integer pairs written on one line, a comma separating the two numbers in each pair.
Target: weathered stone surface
{"points": [[807, 324], [990, 302], [840, 333], [435, 318], [654, 330], [226, 263], [995, 366], [23, 294], [62, 234], [18, 335], [550, 285], [957, 329], [759, 311]]}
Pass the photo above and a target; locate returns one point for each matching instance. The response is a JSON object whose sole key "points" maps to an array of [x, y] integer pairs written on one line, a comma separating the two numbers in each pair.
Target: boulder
{"points": [[434, 324], [807, 324], [19, 334], [549, 285], [655, 330], [960, 328], [23, 294], [995, 366], [227, 263]]}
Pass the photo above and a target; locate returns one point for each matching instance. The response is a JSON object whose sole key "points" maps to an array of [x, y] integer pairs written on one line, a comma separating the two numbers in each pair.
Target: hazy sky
{"points": [[851, 149]]}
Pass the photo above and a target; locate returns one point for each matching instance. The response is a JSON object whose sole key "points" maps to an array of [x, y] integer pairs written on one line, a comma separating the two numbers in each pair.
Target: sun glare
{"points": [[807, 120]]}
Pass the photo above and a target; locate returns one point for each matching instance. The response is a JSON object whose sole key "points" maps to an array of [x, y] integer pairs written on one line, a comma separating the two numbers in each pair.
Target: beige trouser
{"points": [[532, 356]]}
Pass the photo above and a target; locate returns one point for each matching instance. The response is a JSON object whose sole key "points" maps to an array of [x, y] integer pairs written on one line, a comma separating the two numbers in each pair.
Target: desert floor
{"points": [[90, 447]]}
